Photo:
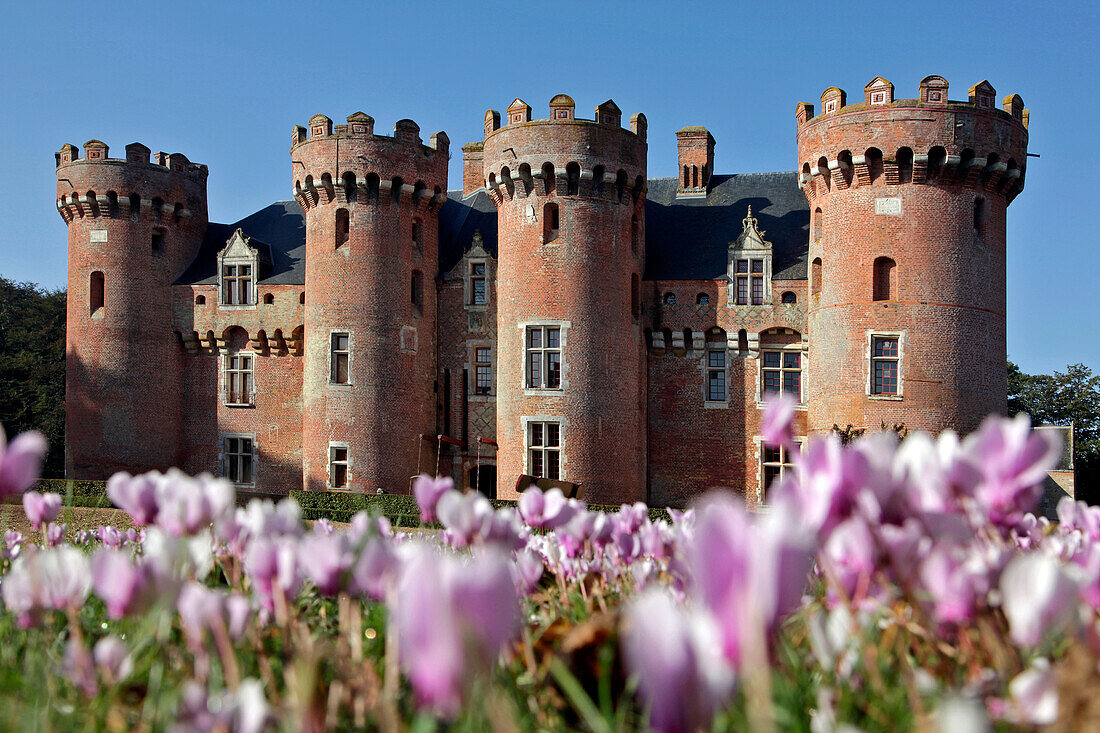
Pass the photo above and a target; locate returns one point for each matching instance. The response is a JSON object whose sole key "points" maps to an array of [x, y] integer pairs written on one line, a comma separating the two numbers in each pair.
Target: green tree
{"points": [[1070, 396], [32, 366]]}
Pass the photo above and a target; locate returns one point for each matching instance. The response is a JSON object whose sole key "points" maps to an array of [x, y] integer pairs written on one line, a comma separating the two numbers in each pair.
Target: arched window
{"points": [[269, 299], [112, 204], [885, 275], [418, 234], [135, 207], [572, 179], [597, 179], [200, 300], [351, 190], [743, 341], [550, 222], [343, 227], [702, 299], [635, 235], [302, 297], [905, 165], [396, 185], [548, 176], [815, 277], [96, 293], [695, 176], [819, 225], [874, 163], [687, 177], [620, 184], [372, 187], [823, 171], [416, 292], [635, 296], [937, 156], [790, 297], [670, 299]]}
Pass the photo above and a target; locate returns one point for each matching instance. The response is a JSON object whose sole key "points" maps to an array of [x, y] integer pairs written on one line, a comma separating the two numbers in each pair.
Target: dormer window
{"points": [[476, 271], [750, 266], [478, 294], [238, 266]]}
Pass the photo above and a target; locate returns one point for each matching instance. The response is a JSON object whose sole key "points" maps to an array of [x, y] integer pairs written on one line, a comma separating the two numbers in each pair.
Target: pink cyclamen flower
{"points": [[675, 653], [1039, 597], [375, 570], [467, 518], [325, 559], [453, 618], [777, 422], [111, 536], [112, 658], [20, 461], [55, 534], [135, 495], [1010, 462], [428, 491], [41, 508], [1034, 695], [123, 586], [527, 571], [953, 579], [52, 579], [545, 510]]}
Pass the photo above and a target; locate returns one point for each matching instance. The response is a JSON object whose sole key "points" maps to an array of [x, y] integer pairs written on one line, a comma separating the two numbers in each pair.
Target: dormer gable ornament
{"points": [[749, 265], [477, 246], [751, 237], [238, 270], [237, 246]]}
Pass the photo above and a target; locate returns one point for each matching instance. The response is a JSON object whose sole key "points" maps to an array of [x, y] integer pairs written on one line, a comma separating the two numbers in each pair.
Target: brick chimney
{"points": [[696, 156]]}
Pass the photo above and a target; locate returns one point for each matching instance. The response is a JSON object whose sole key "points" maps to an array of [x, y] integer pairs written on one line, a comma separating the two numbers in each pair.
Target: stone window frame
{"points": [[224, 374], [521, 371], [468, 284], [563, 425], [868, 360], [782, 369], [758, 443], [331, 357], [471, 367], [705, 369], [758, 354], [223, 456], [338, 444]]}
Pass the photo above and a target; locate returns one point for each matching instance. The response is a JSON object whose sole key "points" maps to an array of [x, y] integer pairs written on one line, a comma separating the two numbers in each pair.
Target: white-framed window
{"points": [[238, 285], [479, 287], [483, 370], [886, 365], [749, 286], [716, 375], [830, 106], [238, 459], [240, 385], [775, 462], [781, 372], [542, 357], [339, 465], [340, 358], [544, 439]]}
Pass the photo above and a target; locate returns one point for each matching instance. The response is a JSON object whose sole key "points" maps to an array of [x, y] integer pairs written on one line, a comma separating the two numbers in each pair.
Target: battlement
{"points": [[348, 163], [361, 125], [563, 110], [932, 94], [927, 140], [168, 189]]}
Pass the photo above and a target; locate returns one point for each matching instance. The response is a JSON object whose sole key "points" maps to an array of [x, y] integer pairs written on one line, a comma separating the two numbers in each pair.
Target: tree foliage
{"points": [[32, 365], [1062, 398]]}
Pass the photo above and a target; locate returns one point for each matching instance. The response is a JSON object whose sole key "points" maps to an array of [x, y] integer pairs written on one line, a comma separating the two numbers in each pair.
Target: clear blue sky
{"points": [[223, 83]]}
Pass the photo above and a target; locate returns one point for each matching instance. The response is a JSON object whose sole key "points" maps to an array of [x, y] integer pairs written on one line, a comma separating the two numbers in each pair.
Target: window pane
{"points": [[246, 468], [553, 336], [886, 347], [886, 377], [534, 370], [742, 291], [552, 465], [742, 265], [340, 341], [340, 369], [792, 383], [536, 433], [758, 265], [771, 381], [791, 359], [772, 454], [757, 291], [536, 463], [483, 380], [245, 270], [478, 268], [534, 338], [771, 359], [481, 354], [339, 454], [553, 434], [716, 359], [339, 476], [479, 291], [553, 370], [771, 473]]}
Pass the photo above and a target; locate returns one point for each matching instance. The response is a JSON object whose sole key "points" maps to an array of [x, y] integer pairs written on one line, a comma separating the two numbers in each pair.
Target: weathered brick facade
{"points": [[562, 313]]}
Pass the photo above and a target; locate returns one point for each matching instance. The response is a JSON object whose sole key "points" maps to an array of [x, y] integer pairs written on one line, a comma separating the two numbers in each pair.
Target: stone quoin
{"points": [[563, 315]]}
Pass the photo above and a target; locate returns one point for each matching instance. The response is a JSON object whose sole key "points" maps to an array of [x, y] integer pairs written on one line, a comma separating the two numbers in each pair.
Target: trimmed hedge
{"points": [[402, 510], [74, 492]]}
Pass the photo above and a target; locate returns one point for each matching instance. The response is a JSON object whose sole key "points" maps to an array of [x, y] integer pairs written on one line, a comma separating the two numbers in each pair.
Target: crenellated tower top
{"points": [[170, 188], [345, 163], [564, 154], [927, 139]]}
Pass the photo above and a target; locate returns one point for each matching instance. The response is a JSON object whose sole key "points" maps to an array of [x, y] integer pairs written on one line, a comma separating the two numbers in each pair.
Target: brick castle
{"points": [[563, 315]]}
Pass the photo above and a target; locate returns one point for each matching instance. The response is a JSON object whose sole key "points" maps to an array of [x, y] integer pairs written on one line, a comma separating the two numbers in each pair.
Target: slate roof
{"points": [[278, 229], [686, 239]]}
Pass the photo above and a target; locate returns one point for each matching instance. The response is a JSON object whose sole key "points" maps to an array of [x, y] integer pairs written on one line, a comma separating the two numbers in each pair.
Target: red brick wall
{"points": [[363, 287], [473, 168], [123, 364], [583, 281], [950, 279]]}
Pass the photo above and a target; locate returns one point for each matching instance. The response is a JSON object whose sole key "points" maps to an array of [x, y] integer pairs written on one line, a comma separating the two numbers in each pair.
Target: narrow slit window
{"points": [[416, 292], [478, 293], [716, 375], [96, 293], [343, 227], [550, 223], [341, 358], [338, 466], [483, 370]]}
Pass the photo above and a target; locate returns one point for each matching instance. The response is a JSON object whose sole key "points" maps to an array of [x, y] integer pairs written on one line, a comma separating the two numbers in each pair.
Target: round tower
{"points": [[908, 201], [371, 205], [570, 197], [134, 226]]}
